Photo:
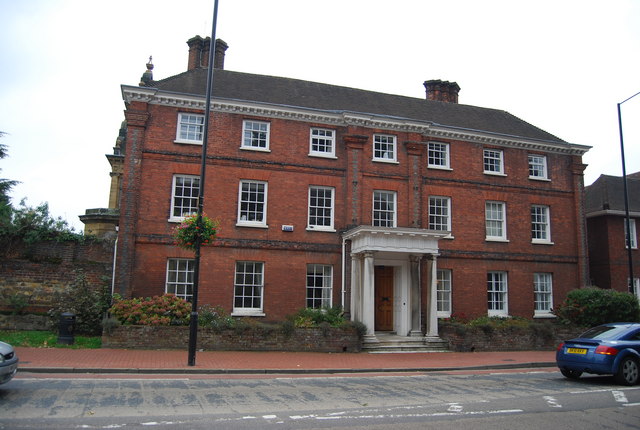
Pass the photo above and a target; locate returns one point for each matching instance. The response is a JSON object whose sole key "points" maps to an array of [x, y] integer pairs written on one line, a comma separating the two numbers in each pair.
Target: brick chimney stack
{"points": [[199, 53], [443, 91]]}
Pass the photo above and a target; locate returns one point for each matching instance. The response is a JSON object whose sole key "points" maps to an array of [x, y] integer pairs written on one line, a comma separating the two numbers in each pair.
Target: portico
{"points": [[386, 284]]}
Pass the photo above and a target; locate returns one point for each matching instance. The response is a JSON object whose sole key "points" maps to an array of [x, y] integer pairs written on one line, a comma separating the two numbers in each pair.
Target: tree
{"points": [[5, 187]]}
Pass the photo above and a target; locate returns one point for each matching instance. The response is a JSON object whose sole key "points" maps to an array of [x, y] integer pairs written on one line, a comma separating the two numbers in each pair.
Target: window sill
{"points": [[497, 239], [495, 174], [544, 315], [321, 229], [242, 313], [541, 242], [446, 168], [176, 220], [538, 178], [251, 148], [498, 314], [320, 155], [188, 142], [384, 160], [251, 225]]}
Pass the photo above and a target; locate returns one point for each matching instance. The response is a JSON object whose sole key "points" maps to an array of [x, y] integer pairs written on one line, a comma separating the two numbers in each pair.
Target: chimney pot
{"points": [[199, 53]]}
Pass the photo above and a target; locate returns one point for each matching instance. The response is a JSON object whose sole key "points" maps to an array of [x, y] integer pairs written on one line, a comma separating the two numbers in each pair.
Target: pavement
{"points": [[125, 361]]}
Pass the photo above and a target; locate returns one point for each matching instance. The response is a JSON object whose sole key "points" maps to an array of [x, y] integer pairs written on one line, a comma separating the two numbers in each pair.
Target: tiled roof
{"points": [[607, 193], [325, 97]]}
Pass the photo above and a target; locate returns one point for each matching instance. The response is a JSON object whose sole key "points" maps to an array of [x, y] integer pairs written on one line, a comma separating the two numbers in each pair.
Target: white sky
{"points": [[561, 65]]}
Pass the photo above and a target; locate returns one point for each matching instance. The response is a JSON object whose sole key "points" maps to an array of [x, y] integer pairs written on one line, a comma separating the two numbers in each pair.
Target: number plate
{"points": [[576, 351]]}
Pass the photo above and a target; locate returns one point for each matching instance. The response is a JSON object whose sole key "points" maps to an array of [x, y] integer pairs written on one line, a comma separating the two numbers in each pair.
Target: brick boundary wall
{"points": [[331, 339], [468, 339]]}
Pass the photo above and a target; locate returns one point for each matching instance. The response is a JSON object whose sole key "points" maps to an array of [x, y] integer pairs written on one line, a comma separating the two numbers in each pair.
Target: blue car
{"points": [[608, 349]]}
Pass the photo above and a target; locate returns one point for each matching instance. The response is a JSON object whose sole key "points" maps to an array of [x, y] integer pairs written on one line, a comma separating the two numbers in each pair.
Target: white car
{"points": [[8, 362]]}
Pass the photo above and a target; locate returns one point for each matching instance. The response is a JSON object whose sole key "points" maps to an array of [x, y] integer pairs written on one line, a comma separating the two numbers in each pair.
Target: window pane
{"points": [[439, 213], [384, 147], [384, 208], [180, 277], [319, 286], [186, 190], [248, 286]]}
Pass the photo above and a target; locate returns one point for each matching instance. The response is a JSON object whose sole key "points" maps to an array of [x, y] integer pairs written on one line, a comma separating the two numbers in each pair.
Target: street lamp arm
{"points": [[626, 100]]}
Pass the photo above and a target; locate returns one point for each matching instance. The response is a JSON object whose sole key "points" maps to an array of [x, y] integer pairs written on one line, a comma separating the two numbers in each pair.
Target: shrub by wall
{"points": [[259, 338]]}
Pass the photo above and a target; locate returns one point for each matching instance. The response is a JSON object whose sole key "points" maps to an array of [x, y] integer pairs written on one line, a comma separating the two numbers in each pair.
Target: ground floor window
{"points": [[497, 293], [542, 293], [319, 285], [444, 293], [248, 287], [180, 278]]}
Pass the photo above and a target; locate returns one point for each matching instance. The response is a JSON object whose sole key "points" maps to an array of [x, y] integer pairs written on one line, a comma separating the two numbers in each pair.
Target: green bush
{"points": [[309, 317], [588, 307], [87, 302], [215, 317], [158, 310]]}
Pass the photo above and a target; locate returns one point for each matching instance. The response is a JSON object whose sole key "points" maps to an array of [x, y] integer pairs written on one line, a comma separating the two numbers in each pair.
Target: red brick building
{"points": [[607, 233], [399, 209]]}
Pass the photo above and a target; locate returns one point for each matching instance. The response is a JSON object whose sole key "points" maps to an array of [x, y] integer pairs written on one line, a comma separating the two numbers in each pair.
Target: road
{"points": [[482, 400]]}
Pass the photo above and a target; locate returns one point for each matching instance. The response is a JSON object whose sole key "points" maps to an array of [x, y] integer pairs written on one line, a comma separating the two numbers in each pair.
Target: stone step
{"points": [[390, 343]]}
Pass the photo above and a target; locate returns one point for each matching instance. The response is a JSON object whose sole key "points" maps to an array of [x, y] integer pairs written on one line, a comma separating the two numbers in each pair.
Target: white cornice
{"points": [[337, 118]]}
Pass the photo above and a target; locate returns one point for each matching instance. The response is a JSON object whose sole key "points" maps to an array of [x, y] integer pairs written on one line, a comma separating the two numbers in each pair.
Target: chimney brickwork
{"points": [[199, 53], [443, 91]]}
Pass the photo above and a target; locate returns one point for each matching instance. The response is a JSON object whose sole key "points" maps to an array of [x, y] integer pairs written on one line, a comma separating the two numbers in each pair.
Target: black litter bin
{"points": [[66, 328]]}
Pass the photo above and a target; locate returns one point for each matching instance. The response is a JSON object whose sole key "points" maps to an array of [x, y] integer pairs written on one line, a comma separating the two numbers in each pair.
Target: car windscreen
{"points": [[604, 332]]}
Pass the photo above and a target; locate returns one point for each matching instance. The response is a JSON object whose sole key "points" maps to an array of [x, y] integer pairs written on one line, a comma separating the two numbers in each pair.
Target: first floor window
{"points": [[319, 285], [190, 128], [321, 208], [493, 162], [384, 147], [252, 203], [323, 142], [540, 224], [180, 278], [632, 229], [537, 167], [495, 221], [184, 196], [438, 155], [497, 293], [440, 213], [255, 135], [384, 208], [443, 292], [542, 293], [248, 287]]}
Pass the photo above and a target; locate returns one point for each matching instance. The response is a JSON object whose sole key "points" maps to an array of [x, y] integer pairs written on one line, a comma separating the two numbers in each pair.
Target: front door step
{"points": [[388, 342]]}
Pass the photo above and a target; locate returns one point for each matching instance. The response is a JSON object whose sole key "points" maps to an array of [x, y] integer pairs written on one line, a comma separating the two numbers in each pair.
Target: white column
{"points": [[368, 298], [414, 285], [356, 287], [432, 294]]}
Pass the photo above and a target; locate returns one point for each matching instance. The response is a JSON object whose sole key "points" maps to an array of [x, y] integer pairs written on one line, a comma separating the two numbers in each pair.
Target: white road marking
{"points": [[619, 396], [552, 402], [455, 407]]}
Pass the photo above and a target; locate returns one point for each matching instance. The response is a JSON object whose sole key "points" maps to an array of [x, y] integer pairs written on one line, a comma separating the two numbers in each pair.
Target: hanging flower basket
{"points": [[188, 232]]}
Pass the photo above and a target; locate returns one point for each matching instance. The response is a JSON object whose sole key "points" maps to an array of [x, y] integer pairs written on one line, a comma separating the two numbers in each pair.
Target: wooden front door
{"points": [[384, 298]]}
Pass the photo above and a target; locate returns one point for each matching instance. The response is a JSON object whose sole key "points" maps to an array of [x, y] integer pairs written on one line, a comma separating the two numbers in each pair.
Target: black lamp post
{"points": [[193, 323], [626, 197]]}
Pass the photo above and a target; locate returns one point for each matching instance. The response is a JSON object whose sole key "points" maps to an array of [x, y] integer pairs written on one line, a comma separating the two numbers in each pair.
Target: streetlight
{"points": [[626, 197], [193, 323]]}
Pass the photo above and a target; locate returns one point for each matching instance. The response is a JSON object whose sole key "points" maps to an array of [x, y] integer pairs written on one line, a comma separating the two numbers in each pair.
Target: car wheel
{"points": [[628, 372], [571, 374]]}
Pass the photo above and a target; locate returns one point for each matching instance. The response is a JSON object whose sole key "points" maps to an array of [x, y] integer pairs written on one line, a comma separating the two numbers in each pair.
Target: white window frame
{"points": [[438, 151], [377, 209], [319, 283], [538, 167], [542, 294], [497, 294], [173, 217], [501, 219], [245, 204], [540, 224], [190, 124], [312, 208], [179, 277], [634, 232], [385, 148], [443, 292], [246, 282], [494, 159], [322, 142], [433, 214], [252, 131]]}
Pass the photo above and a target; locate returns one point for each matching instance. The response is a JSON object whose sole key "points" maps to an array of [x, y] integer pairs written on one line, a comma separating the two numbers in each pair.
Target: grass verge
{"points": [[47, 339]]}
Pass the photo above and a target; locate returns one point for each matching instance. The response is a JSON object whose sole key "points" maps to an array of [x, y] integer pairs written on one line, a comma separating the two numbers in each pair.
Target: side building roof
{"points": [[606, 196]]}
